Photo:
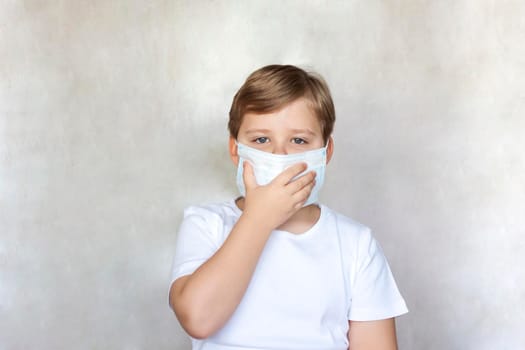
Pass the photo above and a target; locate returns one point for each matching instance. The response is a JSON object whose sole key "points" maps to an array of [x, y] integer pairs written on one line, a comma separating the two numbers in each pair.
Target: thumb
{"points": [[248, 176]]}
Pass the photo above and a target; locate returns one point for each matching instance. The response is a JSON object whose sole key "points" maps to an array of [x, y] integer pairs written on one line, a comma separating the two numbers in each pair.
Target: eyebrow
{"points": [[257, 131], [266, 131], [305, 131]]}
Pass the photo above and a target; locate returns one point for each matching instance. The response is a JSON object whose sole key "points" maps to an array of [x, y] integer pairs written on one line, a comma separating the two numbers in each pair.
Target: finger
{"points": [[288, 174], [302, 195], [248, 176], [299, 183]]}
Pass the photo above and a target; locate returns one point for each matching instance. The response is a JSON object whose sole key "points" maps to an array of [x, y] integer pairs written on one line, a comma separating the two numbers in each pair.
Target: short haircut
{"points": [[272, 87]]}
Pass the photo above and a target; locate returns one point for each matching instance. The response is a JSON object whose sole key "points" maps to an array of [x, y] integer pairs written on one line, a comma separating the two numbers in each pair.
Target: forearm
{"points": [[205, 300]]}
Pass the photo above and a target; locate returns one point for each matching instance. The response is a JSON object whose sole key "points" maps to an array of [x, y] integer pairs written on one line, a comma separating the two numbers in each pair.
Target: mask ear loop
{"points": [[328, 142]]}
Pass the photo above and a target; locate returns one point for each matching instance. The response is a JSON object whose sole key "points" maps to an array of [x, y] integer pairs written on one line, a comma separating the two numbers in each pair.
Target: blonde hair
{"points": [[272, 87]]}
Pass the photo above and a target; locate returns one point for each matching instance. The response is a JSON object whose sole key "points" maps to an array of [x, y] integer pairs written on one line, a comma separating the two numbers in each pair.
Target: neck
{"points": [[299, 222]]}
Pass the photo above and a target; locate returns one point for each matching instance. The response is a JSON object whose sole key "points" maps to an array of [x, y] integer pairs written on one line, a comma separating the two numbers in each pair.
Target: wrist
{"points": [[257, 222]]}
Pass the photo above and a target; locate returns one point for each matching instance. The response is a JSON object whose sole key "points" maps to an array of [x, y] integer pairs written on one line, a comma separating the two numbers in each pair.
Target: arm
{"points": [[206, 299], [372, 335]]}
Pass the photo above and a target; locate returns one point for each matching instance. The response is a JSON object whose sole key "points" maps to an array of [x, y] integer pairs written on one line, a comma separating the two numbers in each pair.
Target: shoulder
{"points": [[213, 215], [355, 238], [211, 210], [345, 225]]}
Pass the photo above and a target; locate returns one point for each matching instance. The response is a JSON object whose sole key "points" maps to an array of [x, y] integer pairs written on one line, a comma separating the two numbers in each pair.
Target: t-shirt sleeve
{"points": [[374, 293], [197, 241]]}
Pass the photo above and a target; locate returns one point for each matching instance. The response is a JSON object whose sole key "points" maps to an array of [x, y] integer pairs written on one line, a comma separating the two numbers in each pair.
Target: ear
{"points": [[329, 149], [232, 147]]}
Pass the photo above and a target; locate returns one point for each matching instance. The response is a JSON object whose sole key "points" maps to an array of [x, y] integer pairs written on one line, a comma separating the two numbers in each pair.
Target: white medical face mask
{"points": [[267, 166]]}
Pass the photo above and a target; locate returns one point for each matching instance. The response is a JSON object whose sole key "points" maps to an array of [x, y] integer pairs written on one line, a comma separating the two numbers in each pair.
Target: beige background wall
{"points": [[113, 119]]}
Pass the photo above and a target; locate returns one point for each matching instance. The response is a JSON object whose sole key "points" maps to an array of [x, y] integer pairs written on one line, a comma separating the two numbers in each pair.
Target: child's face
{"points": [[292, 129]]}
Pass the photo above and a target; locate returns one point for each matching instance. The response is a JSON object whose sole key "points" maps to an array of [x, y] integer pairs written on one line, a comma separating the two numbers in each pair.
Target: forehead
{"points": [[297, 114]]}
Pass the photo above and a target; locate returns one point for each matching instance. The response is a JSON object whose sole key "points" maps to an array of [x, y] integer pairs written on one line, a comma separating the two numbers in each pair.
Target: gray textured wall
{"points": [[113, 119]]}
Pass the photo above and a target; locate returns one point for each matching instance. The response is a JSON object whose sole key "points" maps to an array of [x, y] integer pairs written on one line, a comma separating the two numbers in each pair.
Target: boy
{"points": [[274, 269]]}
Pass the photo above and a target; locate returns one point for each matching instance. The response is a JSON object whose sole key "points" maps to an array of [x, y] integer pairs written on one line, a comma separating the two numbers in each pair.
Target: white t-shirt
{"points": [[305, 287]]}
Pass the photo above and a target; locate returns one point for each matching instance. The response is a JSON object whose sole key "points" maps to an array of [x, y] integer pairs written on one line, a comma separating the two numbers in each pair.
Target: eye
{"points": [[298, 141], [261, 140]]}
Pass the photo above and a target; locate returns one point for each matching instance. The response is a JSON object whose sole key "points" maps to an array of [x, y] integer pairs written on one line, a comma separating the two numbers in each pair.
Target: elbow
{"points": [[194, 318], [195, 329], [196, 324]]}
